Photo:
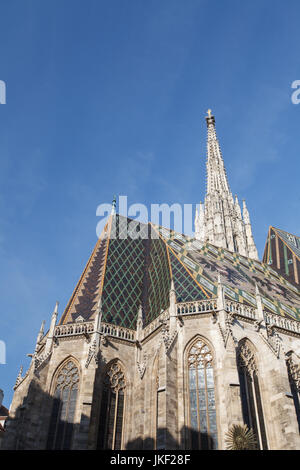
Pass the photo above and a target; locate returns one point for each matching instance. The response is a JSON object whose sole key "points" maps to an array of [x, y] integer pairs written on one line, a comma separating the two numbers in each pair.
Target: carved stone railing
{"points": [[75, 329], [282, 322], [156, 323], [118, 331], [198, 306], [240, 309], [184, 308]]}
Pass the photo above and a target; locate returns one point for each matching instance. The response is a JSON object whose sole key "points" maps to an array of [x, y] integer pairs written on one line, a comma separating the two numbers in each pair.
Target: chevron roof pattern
{"points": [[292, 241]]}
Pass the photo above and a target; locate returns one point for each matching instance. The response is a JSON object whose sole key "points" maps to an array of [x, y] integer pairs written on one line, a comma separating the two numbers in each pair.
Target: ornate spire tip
{"points": [[113, 207], [210, 119]]}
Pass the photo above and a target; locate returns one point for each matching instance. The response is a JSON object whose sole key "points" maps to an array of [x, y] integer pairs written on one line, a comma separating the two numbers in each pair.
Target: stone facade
{"points": [[156, 412]]}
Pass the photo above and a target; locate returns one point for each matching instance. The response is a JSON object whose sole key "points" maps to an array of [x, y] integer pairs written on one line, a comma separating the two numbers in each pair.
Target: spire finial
{"points": [[99, 305], [42, 327], [98, 316], [256, 289], [113, 207], [210, 119], [139, 323], [140, 313]]}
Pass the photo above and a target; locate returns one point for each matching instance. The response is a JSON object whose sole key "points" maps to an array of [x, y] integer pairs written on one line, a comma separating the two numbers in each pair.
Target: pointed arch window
{"points": [[250, 393], [64, 407], [294, 378], [202, 408], [112, 409]]}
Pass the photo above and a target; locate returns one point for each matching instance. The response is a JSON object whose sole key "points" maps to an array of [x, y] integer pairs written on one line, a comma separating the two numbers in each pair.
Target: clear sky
{"points": [[109, 97]]}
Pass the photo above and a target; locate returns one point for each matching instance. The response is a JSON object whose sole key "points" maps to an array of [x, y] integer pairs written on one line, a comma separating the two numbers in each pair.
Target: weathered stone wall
{"points": [[162, 384]]}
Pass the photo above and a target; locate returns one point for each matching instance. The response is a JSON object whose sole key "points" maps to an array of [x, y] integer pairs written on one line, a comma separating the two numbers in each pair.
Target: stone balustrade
{"points": [[240, 309], [282, 322], [184, 308], [118, 331], [75, 329], [198, 306], [156, 323]]}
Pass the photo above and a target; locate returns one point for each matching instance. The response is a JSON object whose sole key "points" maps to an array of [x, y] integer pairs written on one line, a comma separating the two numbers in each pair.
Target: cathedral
{"points": [[170, 340]]}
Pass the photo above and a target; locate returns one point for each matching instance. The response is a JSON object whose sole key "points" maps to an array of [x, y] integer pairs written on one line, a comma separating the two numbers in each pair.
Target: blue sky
{"points": [[109, 97]]}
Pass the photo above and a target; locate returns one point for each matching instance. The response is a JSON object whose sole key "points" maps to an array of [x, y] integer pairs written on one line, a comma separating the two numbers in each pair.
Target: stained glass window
{"points": [[203, 423], [250, 393], [112, 409], [63, 408]]}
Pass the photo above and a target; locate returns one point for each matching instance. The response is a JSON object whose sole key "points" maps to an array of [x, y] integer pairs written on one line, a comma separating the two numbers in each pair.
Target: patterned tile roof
{"points": [[129, 272], [292, 241], [238, 274]]}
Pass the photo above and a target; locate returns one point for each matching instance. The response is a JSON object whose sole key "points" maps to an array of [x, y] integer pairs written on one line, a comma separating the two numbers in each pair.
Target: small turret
{"points": [[40, 336], [252, 250], [139, 324], [50, 337], [237, 208], [259, 305]]}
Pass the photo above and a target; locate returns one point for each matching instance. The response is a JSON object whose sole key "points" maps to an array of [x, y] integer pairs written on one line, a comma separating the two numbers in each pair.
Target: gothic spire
{"points": [[50, 337], [216, 173], [220, 221], [248, 230]]}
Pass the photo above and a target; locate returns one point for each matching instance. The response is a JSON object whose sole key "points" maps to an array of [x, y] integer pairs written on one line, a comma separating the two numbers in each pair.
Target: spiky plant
{"points": [[240, 438]]}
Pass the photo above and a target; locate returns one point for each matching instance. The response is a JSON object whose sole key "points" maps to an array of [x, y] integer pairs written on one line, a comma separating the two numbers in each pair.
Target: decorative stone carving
{"points": [[115, 377], [94, 350], [167, 339], [293, 370], [142, 366], [246, 357], [68, 376], [258, 324], [227, 332], [272, 339], [19, 378], [92, 354], [41, 360], [79, 319], [199, 355]]}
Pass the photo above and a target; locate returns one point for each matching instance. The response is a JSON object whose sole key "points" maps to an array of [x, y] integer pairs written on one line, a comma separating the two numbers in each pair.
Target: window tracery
{"points": [[250, 393], [294, 379], [64, 407], [112, 409], [203, 425]]}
